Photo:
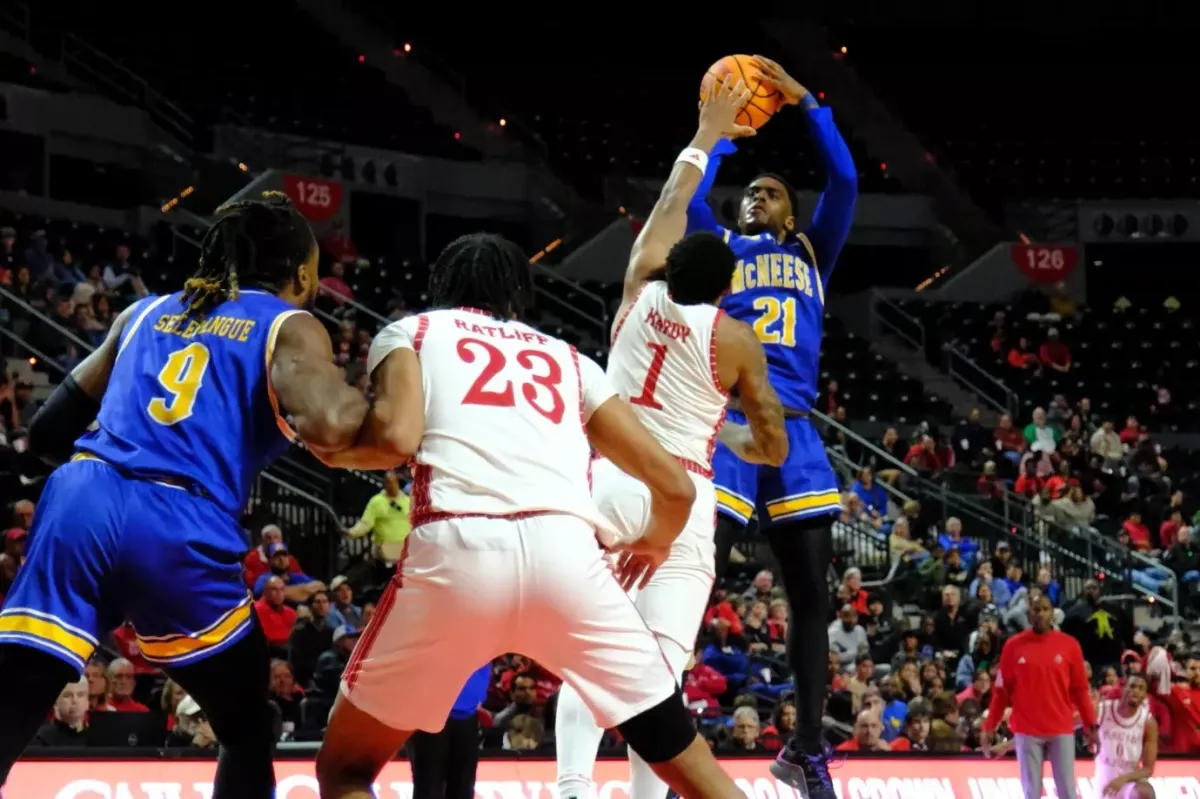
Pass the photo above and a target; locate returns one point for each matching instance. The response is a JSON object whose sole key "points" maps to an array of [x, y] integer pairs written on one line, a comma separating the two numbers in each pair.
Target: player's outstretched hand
{"points": [[637, 562], [719, 111], [791, 89]]}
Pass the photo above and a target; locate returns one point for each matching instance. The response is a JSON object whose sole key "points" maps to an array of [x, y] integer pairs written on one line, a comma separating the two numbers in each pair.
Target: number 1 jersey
{"points": [[190, 397], [506, 409], [777, 289]]}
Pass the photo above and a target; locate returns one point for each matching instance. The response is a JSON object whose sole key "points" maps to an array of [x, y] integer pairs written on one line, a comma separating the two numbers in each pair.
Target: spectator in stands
{"points": [[123, 278], [1183, 559], [1170, 527], [257, 562], [98, 687], [343, 601], [847, 637], [1022, 357], [953, 538], [297, 588], [1049, 586], [1103, 631], [1131, 432], [1010, 442], [868, 735], [901, 545], [1029, 485], [338, 244], [1041, 436], [989, 484], [1138, 532], [760, 587], [1054, 353], [951, 626], [999, 593], [334, 285], [972, 442], [525, 733], [915, 737], [285, 693], [1059, 413], [874, 497], [1076, 509], [386, 518], [39, 258], [858, 532], [69, 726], [332, 662], [704, 685], [122, 679], [856, 594], [923, 458], [312, 635], [192, 729], [745, 730], [1106, 444], [890, 443], [522, 702], [12, 556], [275, 616], [861, 679]]}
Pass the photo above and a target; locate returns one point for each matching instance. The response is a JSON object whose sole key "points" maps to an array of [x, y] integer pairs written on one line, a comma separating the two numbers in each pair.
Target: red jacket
{"points": [[254, 566], [276, 624], [1042, 677], [704, 684], [1184, 702]]}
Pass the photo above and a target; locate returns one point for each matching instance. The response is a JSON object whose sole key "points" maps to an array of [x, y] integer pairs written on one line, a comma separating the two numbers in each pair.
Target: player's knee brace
{"points": [[662, 732]]}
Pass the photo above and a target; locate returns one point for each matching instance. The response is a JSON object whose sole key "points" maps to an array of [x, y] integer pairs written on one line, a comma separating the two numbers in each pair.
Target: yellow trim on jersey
{"points": [[273, 334], [127, 333], [735, 503], [786, 507], [812, 260], [164, 649], [49, 631], [725, 235]]}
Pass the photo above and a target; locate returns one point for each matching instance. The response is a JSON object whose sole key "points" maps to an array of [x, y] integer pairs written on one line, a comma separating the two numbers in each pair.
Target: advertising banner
{"points": [[857, 778]]}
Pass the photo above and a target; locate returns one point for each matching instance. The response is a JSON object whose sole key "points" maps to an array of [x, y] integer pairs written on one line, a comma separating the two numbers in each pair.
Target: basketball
{"points": [[765, 100]]}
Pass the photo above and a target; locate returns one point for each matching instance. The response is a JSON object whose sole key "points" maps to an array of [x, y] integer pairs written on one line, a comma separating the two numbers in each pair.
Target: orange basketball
{"points": [[766, 99]]}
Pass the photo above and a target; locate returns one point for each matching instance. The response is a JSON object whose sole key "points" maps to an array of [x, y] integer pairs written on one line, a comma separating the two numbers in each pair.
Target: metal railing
{"points": [[14, 18], [898, 321], [98, 68], [990, 389]]}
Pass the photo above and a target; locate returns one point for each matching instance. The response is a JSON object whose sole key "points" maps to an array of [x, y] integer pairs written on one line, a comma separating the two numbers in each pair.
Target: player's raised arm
{"points": [[827, 232], [325, 412], [742, 366], [668, 221], [73, 406]]}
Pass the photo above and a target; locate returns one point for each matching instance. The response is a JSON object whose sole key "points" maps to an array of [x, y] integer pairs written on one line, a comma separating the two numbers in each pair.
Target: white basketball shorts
{"points": [[471, 589], [674, 600]]}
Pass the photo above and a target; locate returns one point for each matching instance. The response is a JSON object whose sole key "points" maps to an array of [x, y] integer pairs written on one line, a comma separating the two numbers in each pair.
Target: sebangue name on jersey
{"points": [[496, 331], [673, 330]]}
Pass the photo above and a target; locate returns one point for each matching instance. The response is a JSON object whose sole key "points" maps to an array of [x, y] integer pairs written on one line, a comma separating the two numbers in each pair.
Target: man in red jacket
{"points": [[1042, 677]]}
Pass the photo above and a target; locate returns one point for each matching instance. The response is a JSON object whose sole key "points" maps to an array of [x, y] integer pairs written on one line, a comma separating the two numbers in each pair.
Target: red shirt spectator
{"points": [[335, 286], [990, 487], [1184, 702], [1028, 485], [257, 563], [274, 615], [1139, 533], [1054, 353], [1042, 677], [127, 646], [704, 684], [1131, 432], [121, 682], [923, 456], [338, 244], [1168, 533], [723, 611]]}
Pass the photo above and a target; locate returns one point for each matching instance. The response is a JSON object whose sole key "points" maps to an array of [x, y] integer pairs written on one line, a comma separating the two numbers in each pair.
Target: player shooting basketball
{"points": [[779, 288]]}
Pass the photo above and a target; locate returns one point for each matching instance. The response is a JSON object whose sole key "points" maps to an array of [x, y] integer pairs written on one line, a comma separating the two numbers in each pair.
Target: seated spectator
{"points": [[1022, 357], [951, 626], [847, 638], [746, 728], [968, 550], [191, 728], [1001, 595], [297, 588], [524, 734], [312, 635], [126, 643], [1131, 432], [1049, 586], [868, 735], [861, 680], [923, 457], [760, 587], [11, 557], [1138, 532], [989, 484], [852, 579], [1040, 435], [257, 562], [915, 737], [704, 685], [1029, 484], [1076, 509], [1054, 353], [1183, 558], [97, 686], [122, 679], [756, 629], [1168, 531], [285, 693], [1106, 444], [275, 616], [902, 547], [69, 725], [874, 497], [343, 601], [1010, 442]]}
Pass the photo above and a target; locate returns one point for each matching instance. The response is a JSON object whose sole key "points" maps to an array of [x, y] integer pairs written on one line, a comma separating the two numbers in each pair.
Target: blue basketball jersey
{"points": [[777, 289], [189, 398]]}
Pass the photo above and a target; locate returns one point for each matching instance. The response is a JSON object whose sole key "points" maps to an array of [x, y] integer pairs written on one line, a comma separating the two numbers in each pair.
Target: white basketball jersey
{"points": [[1120, 740], [663, 362], [505, 414]]}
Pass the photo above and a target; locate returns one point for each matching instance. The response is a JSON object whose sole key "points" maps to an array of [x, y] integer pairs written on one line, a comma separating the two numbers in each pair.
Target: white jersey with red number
{"points": [[505, 411], [1120, 742], [664, 363]]}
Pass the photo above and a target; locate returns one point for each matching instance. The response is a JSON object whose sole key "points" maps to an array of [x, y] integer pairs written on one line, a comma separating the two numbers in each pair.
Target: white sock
{"points": [[577, 738]]}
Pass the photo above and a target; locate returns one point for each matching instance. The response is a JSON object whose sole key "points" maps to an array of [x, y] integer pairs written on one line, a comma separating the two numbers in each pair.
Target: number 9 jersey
{"points": [[506, 410], [190, 398]]}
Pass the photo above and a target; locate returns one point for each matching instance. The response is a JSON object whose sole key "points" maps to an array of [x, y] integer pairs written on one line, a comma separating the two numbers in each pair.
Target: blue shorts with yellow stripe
{"points": [[804, 486], [106, 547]]}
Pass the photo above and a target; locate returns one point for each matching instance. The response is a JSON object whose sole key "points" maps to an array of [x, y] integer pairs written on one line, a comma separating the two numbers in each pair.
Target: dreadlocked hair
{"points": [[253, 243], [484, 271]]}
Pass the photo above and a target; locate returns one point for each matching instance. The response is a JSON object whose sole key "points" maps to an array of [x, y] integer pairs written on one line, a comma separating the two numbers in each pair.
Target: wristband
{"points": [[694, 156]]}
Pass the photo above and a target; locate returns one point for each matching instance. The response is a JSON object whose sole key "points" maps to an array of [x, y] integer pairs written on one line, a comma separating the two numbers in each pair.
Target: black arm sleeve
{"points": [[62, 419]]}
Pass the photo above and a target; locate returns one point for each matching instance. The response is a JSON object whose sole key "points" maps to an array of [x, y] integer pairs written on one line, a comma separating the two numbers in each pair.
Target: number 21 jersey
{"points": [[190, 397], [505, 413]]}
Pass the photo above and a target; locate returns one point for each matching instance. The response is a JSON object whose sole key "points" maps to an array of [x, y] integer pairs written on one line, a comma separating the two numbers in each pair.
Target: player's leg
{"points": [[736, 485], [1060, 751], [796, 503], [576, 620], [1142, 789], [1031, 755], [454, 591], [464, 758], [673, 605], [52, 614], [194, 619], [429, 759]]}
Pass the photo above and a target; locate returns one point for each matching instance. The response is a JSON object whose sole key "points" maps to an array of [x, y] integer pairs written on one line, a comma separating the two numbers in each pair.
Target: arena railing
{"points": [[982, 382], [897, 321]]}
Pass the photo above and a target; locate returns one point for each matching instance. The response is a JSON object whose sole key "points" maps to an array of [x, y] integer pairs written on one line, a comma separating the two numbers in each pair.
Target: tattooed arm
{"points": [[742, 367]]}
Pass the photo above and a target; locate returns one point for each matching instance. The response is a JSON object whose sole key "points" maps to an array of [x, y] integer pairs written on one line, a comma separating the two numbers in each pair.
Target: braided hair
{"points": [[484, 271], [259, 243]]}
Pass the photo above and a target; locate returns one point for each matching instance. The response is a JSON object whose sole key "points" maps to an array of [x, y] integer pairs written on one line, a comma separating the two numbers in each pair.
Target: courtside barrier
{"points": [[518, 778]]}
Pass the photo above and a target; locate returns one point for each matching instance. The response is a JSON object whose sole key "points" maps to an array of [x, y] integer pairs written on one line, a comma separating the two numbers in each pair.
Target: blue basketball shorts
{"points": [[106, 547], [803, 487]]}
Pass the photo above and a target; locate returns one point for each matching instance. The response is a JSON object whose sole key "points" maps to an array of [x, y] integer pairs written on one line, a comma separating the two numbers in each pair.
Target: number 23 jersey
{"points": [[506, 408], [190, 397]]}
